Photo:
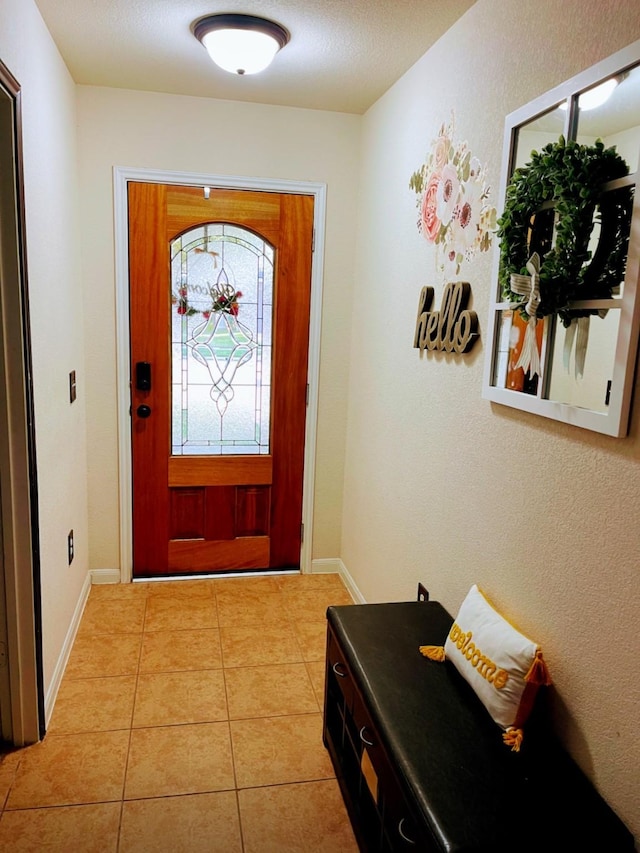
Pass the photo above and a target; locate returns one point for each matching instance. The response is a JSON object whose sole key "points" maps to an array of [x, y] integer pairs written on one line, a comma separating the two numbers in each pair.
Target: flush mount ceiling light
{"points": [[596, 97], [240, 44]]}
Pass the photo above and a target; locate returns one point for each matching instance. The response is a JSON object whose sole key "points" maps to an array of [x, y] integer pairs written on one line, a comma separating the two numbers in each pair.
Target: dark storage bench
{"points": [[422, 765]]}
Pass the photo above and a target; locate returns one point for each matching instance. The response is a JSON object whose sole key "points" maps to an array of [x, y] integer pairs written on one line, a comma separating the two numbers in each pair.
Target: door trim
{"points": [[121, 177], [22, 699]]}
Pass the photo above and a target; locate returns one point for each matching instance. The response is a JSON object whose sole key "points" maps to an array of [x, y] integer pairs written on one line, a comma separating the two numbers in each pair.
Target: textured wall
{"points": [[142, 130], [446, 488], [49, 136]]}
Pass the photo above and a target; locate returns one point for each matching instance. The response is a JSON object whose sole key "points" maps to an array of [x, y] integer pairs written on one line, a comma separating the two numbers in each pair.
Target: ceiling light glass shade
{"points": [[595, 97], [240, 44]]}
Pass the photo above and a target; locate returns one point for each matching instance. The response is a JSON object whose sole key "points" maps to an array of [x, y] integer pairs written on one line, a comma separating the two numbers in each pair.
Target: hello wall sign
{"points": [[451, 329]]}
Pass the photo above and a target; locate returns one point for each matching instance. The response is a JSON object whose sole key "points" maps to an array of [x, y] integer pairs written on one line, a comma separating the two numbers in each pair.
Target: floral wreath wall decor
{"points": [[454, 214], [452, 201]]}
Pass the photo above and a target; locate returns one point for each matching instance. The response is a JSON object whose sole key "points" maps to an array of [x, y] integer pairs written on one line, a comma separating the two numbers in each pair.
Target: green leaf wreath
{"points": [[566, 179]]}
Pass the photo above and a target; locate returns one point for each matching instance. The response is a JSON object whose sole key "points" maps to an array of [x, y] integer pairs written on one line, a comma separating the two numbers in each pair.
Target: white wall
{"points": [[154, 131], [448, 489], [56, 297], [627, 144]]}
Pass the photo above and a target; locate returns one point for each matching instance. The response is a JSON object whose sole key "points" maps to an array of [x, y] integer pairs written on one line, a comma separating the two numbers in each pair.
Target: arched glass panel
{"points": [[222, 306]]}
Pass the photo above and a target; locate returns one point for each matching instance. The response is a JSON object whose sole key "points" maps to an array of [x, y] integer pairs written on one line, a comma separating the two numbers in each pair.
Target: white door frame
{"points": [[122, 176]]}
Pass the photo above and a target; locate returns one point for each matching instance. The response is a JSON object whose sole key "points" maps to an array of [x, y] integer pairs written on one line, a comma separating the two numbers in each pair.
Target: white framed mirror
{"points": [[578, 365]]}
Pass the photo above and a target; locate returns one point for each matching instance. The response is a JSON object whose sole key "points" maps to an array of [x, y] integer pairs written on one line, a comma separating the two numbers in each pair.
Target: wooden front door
{"points": [[219, 308]]}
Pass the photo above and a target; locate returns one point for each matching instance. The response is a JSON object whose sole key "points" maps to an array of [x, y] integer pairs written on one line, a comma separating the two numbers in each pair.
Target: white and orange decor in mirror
{"points": [[564, 319], [454, 214], [222, 297]]}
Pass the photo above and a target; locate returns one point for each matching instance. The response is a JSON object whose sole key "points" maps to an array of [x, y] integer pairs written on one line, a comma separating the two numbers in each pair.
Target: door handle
{"points": [[143, 411], [143, 376]]}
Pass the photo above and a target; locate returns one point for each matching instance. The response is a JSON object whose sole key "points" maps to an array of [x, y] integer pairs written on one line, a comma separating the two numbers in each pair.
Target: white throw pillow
{"points": [[504, 667]]}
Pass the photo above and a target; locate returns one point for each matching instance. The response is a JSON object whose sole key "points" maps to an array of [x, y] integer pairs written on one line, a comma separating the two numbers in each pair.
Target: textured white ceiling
{"points": [[343, 54]]}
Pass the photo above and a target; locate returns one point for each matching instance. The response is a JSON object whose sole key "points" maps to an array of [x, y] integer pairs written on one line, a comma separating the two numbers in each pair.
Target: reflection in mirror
{"points": [[585, 374], [610, 234], [535, 134], [507, 372], [617, 120], [582, 360], [581, 374]]}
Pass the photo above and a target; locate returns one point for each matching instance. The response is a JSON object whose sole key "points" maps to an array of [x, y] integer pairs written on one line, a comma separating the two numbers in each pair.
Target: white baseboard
{"points": [[336, 565], [323, 567], [52, 691], [104, 576]]}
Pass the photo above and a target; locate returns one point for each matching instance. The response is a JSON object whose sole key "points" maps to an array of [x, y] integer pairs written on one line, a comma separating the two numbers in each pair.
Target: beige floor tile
{"points": [[188, 759], [316, 581], [277, 750], [113, 615], [172, 698], [126, 591], [250, 610], [312, 639], [316, 674], [9, 762], [196, 823], [257, 645], [168, 613], [167, 651], [244, 585], [84, 828], [179, 783], [93, 704], [95, 657], [185, 589], [269, 691], [311, 605], [295, 819], [71, 769]]}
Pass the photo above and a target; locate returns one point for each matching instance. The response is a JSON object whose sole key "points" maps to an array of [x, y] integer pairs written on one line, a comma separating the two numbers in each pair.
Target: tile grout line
{"points": [[226, 696], [242, 845], [133, 711], [233, 757]]}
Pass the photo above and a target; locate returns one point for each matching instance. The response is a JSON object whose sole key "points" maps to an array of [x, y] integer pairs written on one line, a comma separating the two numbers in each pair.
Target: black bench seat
{"points": [[443, 780]]}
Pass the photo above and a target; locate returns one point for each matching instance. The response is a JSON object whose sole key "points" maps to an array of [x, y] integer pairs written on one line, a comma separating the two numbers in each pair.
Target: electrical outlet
{"points": [[70, 546]]}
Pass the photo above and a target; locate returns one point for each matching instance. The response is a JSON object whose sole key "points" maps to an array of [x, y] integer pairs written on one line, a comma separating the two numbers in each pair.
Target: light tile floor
{"points": [[189, 719]]}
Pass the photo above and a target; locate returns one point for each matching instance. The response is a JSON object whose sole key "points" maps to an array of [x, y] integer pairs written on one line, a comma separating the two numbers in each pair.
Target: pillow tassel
{"points": [[513, 738], [538, 672], [433, 652]]}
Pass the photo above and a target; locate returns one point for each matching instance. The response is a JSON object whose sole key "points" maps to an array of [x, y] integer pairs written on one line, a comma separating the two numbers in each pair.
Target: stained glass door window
{"points": [[221, 341]]}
